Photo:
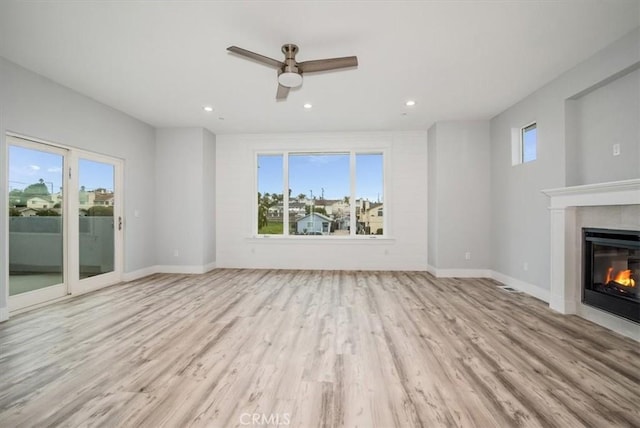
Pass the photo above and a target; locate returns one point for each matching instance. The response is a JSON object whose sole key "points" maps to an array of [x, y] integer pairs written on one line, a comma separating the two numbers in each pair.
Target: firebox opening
{"points": [[611, 271]]}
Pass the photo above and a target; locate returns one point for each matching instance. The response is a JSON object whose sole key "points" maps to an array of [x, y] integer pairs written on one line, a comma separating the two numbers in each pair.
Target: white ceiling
{"points": [[162, 61]]}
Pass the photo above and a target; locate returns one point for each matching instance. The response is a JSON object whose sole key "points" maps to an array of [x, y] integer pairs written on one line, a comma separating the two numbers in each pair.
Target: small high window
{"points": [[524, 144], [529, 142]]}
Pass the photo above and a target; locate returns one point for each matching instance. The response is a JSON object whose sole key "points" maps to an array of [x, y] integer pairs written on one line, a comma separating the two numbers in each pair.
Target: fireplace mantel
{"points": [[565, 287], [625, 192]]}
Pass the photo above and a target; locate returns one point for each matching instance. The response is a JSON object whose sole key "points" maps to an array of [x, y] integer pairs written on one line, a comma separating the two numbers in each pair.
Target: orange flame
{"points": [[623, 277]]}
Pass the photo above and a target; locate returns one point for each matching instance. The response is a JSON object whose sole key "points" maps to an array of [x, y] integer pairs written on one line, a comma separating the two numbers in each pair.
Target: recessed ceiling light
{"points": [[410, 103], [307, 106], [208, 109]]}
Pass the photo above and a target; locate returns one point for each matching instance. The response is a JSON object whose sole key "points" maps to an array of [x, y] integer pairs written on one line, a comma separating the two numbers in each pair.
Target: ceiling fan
{"points": [[290, 71]]}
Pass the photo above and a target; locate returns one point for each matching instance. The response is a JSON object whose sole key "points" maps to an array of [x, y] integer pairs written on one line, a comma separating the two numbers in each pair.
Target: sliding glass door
{"points": [[53, 252], [100, 221], [37, 223]]}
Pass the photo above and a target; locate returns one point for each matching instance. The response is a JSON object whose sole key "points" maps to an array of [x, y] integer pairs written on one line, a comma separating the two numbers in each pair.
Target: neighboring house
{"points": [[39, 203], [339, 208], [56, 198], [86, 198], [103, 198], [371, 219], [27, 212], [327, 204], [314, 224], [296, 207]]}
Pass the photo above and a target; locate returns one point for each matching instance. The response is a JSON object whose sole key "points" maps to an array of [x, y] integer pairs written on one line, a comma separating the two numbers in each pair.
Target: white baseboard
{"points": [[209, 267], [140, 273], [4, 314], [459, 273], [190, 269], [525, 287]]}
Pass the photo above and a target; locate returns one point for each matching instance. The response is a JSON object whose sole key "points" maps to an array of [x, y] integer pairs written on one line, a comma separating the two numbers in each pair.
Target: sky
{"points": [[529, 145], [322, 174], [28, 166]]}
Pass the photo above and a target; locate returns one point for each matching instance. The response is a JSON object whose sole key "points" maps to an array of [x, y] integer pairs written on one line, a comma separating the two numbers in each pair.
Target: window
{"points": [[329, 194], [323, 179], [270, 195], [524, 142], [369, 192], [528, 141]]}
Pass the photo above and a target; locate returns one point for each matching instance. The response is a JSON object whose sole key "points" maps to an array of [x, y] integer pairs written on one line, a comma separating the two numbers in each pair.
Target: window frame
{"points": [[517, 143], [352, 196]]}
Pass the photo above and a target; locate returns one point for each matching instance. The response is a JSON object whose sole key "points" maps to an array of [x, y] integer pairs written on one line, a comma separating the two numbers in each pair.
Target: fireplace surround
{"points": [[611, 271], [621, 198]]}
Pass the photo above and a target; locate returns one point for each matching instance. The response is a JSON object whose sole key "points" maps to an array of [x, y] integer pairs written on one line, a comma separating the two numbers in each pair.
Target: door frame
{"points": [[72, 284], [77, 285], [53, 292]]}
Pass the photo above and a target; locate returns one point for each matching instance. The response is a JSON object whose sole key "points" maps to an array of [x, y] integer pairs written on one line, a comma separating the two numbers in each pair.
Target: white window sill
{"points": [[313, 239]]}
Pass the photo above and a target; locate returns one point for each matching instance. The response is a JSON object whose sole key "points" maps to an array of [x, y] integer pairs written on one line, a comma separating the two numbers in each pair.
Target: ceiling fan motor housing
{"points": [[291, 76]]}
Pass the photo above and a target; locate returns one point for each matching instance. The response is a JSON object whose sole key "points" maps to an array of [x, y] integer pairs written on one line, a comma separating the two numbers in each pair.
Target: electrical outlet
{"points": [[467, 255], [525, 266], [616, 149], [176, 253]]}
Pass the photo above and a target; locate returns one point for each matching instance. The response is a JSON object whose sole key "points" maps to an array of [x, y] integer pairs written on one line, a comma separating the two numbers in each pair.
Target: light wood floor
{"points": [[313, 349]]}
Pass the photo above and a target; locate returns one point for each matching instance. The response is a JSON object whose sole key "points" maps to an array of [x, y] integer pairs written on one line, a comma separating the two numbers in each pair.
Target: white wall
{"points": [[34, 106], [209, 197], [459, 201], [520, 218], [185, 198], [406, 200], [432, 197], [610, 114]]}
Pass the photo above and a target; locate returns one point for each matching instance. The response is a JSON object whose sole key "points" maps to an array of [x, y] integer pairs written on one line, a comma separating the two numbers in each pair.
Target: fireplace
{"points": [[611, 276]]}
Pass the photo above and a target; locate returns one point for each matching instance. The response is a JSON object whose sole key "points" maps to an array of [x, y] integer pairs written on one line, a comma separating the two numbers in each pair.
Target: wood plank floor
{"points": [[313, 349]]}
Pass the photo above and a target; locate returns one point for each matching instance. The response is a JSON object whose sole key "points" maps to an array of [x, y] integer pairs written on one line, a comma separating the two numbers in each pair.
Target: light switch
{"points": [[616, 149]]}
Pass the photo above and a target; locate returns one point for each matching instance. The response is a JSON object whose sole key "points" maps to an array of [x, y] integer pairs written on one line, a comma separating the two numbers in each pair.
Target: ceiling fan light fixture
{"points": [[290, 71], [290, 79]]}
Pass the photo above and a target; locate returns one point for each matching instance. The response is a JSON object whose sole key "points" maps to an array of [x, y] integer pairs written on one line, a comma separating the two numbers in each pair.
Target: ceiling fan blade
{"points": [[328, 64], [282, 93], [256, 57]]}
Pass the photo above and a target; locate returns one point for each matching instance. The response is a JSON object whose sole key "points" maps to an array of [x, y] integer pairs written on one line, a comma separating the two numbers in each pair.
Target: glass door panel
{"points": [[36, 221], [97, 225]]}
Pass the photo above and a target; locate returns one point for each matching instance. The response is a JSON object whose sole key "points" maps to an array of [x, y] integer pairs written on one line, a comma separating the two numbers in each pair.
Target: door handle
{"points": [[119, 223]]}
